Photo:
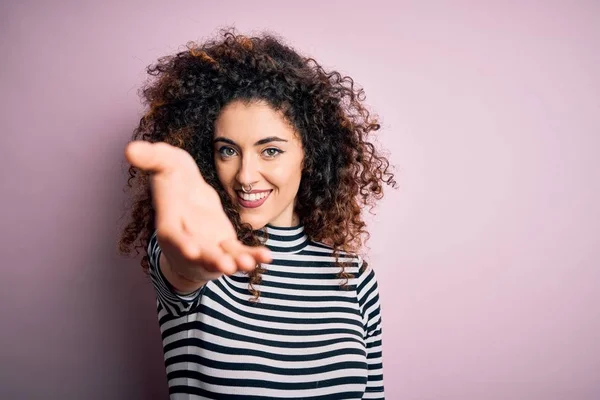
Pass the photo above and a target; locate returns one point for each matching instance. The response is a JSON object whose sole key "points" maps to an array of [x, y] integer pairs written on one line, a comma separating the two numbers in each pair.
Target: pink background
{"points": [[487, 255]]}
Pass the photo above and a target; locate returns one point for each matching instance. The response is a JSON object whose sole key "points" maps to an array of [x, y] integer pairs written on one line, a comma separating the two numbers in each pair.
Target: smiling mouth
{"points": [[252, 200]]}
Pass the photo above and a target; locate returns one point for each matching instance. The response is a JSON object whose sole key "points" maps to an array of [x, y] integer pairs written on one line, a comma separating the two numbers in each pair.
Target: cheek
{"points": [[287, 178], [220, 172], [225, 175], [223, 169]]}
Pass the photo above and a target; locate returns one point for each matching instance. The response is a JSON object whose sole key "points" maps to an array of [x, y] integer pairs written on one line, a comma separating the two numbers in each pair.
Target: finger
{"points": [[227, 264], [152, 157], [218, 258], [245, 262], [243, 259], [259, 253]]}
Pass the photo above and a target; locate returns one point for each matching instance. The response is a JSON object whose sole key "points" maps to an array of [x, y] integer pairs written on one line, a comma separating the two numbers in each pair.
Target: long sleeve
{"points": [[174, 303], [368, 299]]}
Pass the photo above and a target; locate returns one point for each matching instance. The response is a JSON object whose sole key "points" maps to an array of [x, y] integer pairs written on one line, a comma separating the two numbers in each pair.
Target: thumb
{"points": [[148, 156]]}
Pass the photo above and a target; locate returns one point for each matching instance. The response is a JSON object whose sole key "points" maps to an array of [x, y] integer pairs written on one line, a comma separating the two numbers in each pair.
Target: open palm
{"points": [[193, 230]]}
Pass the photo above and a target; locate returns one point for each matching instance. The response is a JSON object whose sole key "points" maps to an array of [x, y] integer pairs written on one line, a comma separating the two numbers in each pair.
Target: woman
{"points": [[253, 165]]}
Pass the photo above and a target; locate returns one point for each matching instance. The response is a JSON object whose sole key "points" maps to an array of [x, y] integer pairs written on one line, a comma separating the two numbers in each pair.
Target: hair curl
{"points": [[343, 171]]}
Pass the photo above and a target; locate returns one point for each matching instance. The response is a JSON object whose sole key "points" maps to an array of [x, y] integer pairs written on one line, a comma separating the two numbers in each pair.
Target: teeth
{"points": [[253, 196]]}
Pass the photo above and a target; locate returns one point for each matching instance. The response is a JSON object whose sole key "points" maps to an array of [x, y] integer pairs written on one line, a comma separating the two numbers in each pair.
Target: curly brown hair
{"points": [[343, 171]]}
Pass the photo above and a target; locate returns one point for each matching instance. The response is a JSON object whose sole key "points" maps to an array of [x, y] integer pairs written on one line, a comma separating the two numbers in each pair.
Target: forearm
{"points": [[181, 284]]}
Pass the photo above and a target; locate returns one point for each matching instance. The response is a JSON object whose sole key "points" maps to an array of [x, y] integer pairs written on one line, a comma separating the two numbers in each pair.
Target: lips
{"points": [[253, 203]]}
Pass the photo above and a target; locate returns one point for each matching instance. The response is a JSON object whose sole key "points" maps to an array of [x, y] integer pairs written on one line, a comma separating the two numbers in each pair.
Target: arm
{"points": [[179, 283], [368, 299], [191, 255], [177, 295]]}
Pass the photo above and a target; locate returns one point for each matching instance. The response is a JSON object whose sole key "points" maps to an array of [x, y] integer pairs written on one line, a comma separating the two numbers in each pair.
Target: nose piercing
{"points": [[246, 191]]}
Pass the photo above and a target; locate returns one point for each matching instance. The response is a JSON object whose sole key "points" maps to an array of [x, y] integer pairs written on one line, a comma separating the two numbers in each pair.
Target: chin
{"points": [[255, 221]]}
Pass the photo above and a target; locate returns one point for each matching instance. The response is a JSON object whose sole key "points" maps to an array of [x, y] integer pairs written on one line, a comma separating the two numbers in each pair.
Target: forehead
{"points": [[241, 121]]}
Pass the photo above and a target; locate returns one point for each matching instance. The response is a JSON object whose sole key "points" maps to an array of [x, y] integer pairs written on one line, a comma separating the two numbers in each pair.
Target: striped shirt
{"points": [[307, 337]]}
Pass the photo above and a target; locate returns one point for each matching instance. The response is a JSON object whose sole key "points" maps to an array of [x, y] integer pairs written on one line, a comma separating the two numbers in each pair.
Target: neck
{"points": [[294, 221]]}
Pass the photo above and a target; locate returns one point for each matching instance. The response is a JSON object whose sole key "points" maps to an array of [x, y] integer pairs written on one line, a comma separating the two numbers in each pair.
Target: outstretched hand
{"points": [[193, 230]]}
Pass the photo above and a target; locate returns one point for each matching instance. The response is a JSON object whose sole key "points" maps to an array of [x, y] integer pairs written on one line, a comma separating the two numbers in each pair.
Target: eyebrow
{"points": [[260, 142]]}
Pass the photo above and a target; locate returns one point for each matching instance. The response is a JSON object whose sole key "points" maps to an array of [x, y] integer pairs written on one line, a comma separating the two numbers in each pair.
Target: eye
{"points": [[226, 152], [272, 152]]}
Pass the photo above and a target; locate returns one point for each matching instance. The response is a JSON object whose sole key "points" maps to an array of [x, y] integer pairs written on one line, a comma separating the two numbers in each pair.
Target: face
{"points": [[254, 145]]}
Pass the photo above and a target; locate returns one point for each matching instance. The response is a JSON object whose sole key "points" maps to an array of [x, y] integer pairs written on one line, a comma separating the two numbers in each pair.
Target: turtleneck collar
{"points": [[288, 239]]}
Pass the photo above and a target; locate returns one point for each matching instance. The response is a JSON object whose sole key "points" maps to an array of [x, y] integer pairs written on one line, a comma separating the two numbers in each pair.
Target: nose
{"points": [[248, 172]]}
